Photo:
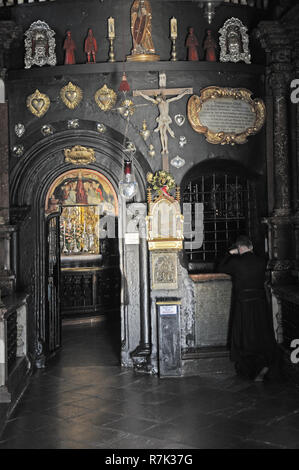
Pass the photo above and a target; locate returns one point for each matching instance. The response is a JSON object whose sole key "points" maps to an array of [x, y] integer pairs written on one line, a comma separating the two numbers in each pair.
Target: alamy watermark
{"points": [[295, 353], [136, 220], [295, 92]]}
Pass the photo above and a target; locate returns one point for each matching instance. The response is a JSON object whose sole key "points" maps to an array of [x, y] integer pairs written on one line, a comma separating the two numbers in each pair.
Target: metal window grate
{"points": [[228, 212]]}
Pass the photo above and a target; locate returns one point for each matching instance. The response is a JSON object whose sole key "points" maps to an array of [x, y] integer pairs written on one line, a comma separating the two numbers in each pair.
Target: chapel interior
{"points": [[138, 139]]}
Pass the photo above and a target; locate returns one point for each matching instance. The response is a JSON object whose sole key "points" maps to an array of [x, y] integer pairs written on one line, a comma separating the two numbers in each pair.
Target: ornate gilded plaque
{"points": [[105, 98], [71, 95], [79, 155], [38, 103], [226, 115], [164, 271]]}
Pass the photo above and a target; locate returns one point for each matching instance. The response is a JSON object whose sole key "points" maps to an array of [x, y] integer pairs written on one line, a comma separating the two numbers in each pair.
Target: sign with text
{"points": [[226, 115]]}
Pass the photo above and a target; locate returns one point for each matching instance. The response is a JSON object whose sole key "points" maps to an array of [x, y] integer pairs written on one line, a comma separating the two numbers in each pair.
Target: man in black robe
{"points": [[252, 341]]}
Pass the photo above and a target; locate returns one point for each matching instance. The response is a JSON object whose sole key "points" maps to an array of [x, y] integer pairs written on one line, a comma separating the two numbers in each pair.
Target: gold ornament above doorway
{"points": [[79, 155], [105, 98], [71, 95], [38, 103]]}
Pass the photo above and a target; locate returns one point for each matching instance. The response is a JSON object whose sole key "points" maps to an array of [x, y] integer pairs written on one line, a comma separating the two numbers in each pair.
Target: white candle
{"points": [[173, 28], [111, 30]]}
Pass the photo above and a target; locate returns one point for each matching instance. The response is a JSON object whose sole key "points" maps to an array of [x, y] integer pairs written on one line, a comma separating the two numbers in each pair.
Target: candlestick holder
{"points": [[173, 50], [111, 50]]}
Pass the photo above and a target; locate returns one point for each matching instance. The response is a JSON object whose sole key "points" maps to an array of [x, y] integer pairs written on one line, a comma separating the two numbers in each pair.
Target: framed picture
{"points": [[226, 115]]}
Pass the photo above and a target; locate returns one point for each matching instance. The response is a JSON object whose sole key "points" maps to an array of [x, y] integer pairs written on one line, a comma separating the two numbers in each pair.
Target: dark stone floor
{"points": [[85, 400]]}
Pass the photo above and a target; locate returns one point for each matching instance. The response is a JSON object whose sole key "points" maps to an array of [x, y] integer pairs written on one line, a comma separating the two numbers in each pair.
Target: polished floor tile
{"points": [[85, 400]]}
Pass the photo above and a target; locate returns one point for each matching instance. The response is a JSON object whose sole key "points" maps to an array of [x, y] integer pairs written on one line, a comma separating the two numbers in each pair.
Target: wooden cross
{"points": [[163, 120]]}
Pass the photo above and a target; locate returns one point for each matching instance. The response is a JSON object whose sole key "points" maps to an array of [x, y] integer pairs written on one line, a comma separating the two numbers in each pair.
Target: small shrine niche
{"points": [[85, 197], [165, 223]]}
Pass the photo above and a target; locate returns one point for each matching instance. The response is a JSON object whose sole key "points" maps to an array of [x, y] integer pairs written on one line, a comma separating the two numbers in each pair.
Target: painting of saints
{"points": [[85, 187]]}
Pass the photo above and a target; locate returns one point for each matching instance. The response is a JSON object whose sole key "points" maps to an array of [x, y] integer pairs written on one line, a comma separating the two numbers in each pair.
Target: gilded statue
{"points": [[141, 30]]}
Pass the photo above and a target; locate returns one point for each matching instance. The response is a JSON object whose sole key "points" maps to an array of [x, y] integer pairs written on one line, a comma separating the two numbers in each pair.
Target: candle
{"points": [[111, 30], [173, 28]]}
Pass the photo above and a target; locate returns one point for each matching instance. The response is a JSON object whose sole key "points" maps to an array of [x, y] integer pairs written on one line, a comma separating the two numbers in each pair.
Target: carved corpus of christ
{"points": [[158, 97]]}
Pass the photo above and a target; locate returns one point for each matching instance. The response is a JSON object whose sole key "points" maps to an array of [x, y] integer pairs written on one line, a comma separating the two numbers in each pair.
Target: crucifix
{"points": [[158, 97]]}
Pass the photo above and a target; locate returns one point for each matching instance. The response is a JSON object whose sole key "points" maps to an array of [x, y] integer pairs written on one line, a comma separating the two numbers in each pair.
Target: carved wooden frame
{"points": [[195, 104]]}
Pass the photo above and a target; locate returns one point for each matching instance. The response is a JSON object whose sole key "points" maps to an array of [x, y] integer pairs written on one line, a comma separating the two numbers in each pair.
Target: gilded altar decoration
{"points": [[79, 155], [105, 98], [79, 230], [164, 271], [226, 115], [38, 103], [164, 222], [71, 95], [234, 42], [85, 197], [39, 45], [141, 30]]}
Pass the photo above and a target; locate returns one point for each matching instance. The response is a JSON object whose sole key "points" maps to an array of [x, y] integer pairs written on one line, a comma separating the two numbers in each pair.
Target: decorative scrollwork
{"points": [[226, 115], [79, 155]]}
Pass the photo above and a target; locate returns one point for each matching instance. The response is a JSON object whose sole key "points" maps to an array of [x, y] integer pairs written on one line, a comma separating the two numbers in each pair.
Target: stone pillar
{"points": [[136, 323], [7, 277], [4, 190], [275, 41], [296, 185], [280, 83], [10, 34]]}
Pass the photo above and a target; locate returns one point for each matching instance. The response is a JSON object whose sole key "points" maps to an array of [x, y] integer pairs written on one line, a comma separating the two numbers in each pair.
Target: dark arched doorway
{"points": [[31, 182]]}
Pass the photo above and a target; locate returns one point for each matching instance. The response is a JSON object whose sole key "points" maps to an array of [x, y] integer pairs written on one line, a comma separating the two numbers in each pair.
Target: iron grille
{"points": [[227, 208]]}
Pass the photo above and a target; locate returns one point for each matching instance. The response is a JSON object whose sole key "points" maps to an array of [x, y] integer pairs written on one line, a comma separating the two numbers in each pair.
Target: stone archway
{"points": [[30, 182]]}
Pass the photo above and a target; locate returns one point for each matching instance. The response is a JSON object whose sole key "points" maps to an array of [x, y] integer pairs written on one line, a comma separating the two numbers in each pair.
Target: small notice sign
{"points": [[168, 310]]}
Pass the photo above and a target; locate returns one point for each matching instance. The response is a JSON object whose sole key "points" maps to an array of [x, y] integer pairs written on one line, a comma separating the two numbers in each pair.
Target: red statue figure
{"points": [[81, 196], [69, 47], [90, 46], [210, 47], [192, 44]]}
